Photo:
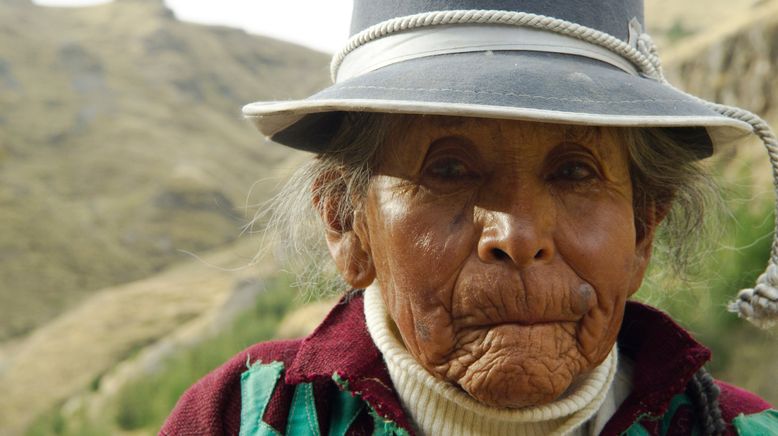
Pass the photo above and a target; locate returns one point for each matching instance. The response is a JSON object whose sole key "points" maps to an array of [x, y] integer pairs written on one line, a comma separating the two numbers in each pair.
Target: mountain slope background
{"points": [[122, 144]]}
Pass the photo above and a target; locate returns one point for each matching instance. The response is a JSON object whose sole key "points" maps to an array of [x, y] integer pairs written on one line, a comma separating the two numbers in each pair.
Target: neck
{"points": [[437, 407]]}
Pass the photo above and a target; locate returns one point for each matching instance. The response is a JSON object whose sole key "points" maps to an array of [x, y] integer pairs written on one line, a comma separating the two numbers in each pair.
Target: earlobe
{"points": [[351, 258]]}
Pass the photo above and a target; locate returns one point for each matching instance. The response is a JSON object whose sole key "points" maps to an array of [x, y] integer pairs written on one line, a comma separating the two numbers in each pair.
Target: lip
{"points": [[524, 323]]}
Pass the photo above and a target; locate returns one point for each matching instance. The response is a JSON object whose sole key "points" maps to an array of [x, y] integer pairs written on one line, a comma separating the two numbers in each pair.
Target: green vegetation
{"points": [[143, 405], [734, 258]]}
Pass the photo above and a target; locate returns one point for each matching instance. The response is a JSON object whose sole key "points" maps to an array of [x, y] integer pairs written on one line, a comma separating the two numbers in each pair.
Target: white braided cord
{"points": [[646, 64], [758, 304]]}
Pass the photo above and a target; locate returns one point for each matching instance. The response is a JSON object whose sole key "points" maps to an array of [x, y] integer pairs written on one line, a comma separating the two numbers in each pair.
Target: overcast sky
{"points": [[320, 24]]}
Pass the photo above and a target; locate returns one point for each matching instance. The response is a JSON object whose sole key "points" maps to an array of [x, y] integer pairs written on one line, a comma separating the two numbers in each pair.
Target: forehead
{"points": [[416, 132], [470, 124]]}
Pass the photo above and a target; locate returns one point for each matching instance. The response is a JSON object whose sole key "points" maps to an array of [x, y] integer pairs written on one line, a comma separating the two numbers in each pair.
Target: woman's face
{"points": [[505, 251]]}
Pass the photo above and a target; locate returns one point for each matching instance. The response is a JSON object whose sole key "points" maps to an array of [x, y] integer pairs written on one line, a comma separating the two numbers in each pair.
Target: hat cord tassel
{"points": [[759, 304]]}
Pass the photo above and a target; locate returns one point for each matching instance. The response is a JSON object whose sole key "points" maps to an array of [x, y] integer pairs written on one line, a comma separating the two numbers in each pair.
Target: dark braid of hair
{"points": [[704, 395]]}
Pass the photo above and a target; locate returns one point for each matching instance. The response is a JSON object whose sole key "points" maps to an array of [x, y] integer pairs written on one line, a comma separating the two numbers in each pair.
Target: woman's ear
{"points": [[350, 253], [653, 214]]}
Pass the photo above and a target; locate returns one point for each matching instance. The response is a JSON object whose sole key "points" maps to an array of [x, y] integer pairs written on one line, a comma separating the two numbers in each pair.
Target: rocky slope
{"points": [[65, 179], [671, 22], [734, 63], [122, 144]]}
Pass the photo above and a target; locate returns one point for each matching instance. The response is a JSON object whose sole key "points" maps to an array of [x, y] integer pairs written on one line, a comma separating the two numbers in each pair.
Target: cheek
{"points": [[599, 244], [600, 240], [418, 248], [411, 234]]}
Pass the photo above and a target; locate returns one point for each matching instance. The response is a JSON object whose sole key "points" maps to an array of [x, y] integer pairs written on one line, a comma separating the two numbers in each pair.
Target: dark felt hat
{"points": [[574, 62]]}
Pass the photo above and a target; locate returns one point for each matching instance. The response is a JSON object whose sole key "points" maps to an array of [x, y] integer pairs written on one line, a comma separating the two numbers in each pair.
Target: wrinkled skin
{"points": [[504, 250]]}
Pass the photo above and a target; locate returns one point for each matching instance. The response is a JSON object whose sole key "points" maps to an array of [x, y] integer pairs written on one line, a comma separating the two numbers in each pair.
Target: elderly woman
{"points": [[489, 180]]}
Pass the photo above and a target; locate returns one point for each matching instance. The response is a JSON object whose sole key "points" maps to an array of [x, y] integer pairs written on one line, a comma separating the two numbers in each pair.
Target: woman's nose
{"points": [[521, 236]]}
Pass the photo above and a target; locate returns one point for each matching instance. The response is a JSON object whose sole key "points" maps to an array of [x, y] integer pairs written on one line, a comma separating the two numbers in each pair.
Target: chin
{"points": [[512, 373], [512, 387]]}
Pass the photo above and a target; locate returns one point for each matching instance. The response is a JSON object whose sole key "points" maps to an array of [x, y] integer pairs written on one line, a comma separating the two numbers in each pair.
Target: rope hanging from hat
{"points": [[758, 304]]}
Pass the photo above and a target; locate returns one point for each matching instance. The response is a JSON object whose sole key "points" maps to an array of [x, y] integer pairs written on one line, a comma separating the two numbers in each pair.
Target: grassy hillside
{"points": [[150, 319], [141, 406], [121, 143]]}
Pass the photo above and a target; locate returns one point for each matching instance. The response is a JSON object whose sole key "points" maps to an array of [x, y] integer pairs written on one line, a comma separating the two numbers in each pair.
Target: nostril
{"points": [[499, 254]]}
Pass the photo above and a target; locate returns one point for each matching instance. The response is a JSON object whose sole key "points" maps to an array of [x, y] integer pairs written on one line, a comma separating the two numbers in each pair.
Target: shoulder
{"points": [[212, 405], [745, 412], [734, 401], [670, 394], [741, 412], [333, 381]]}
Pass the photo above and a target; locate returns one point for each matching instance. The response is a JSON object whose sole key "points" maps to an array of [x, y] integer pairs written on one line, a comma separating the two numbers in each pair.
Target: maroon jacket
{"points": [[665, 359]]}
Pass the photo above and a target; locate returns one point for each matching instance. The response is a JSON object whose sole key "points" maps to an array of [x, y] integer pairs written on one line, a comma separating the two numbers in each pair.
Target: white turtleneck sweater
{"points": [[440, 408]]}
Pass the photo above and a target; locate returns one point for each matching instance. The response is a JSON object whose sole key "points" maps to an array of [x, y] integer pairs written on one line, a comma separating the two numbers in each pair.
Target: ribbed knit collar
{"points": [[438, 407]]}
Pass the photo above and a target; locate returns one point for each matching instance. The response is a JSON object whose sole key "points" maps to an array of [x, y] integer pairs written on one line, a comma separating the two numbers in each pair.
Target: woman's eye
{"points": [[449, 168], [574, 172]]}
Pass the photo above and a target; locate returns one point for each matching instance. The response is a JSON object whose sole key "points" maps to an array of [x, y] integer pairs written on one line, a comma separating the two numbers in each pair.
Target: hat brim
{"points": [[533, 86]]}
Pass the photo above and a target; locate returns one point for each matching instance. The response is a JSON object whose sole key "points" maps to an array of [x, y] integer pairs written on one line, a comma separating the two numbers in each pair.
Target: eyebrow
{"points": [[582, 134]]}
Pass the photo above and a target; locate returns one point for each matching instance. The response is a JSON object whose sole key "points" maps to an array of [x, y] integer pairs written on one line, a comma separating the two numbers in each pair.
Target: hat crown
{"points": [[609, 16]]}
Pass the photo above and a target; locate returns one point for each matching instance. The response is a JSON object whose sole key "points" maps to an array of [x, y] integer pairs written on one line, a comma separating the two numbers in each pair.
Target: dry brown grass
{"points": [[184, 148], [70, 352]]}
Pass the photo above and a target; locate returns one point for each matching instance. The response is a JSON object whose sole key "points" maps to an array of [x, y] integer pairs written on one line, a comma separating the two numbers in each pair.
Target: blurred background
{"points": [[127, 176]]}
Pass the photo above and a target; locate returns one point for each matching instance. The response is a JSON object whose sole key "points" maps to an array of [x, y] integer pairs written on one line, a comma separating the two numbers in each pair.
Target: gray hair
{"points": [[664, 170]]}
